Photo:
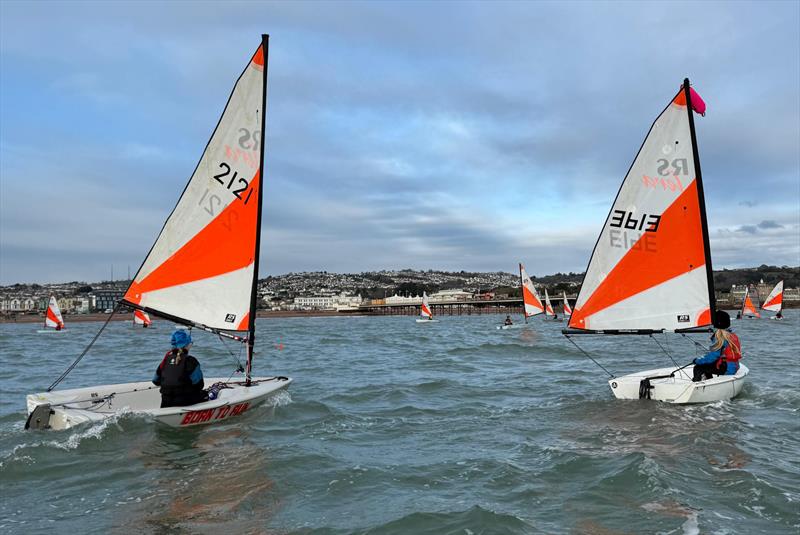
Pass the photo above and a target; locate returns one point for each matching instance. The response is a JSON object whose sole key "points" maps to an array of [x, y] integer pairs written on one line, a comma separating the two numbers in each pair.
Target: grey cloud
{"points": [[769, 224]]}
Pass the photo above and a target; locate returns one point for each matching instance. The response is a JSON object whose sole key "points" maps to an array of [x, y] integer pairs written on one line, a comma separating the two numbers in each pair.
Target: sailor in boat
{"points": [[779, 315], [179, 374], [508, 321], [739, 315], [726, 351], [59, 326]]}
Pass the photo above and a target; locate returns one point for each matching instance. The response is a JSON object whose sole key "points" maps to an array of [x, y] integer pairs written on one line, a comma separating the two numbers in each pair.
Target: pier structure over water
{"points": [[446, 308]]}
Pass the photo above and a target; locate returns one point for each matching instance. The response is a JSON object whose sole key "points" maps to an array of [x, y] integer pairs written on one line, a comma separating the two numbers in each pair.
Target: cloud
{"points": [[748, 204], [749, 229], [769, 224]]}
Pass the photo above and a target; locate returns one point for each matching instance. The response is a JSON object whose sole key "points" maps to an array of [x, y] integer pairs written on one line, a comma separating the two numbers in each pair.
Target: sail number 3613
{"points": [[623, 219]]}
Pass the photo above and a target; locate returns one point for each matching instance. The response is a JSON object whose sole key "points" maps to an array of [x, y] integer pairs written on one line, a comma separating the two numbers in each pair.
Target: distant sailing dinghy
{"points": [[425, 313], [53, 321], [549, 313], [650, 271], [531, 304], [140, 318], [567, 308], [749, 310], [774, 302], [201, 272]]}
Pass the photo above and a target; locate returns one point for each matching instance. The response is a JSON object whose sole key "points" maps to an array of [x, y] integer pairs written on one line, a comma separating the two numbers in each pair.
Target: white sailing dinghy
{"points": [[53, 321], [749, 310], [531, 303], [425, 312], [567, 308], [549, 312], [650, 271], [774, 302], [202, 272], [140, 317]]}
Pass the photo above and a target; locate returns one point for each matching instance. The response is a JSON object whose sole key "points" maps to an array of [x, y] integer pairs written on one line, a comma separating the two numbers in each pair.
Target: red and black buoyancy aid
{"points": [[730, 354]]}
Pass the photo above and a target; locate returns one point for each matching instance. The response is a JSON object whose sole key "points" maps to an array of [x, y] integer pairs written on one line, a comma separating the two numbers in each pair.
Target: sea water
{"points": [[397, 427]]}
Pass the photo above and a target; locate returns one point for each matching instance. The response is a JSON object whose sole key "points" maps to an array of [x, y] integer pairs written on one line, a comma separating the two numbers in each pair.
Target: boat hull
{"points": [[680, 389], [68, 408], [427, 321]]}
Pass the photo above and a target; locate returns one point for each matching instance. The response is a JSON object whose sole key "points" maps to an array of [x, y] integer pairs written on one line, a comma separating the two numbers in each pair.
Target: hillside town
{"points": [[322, 290]]}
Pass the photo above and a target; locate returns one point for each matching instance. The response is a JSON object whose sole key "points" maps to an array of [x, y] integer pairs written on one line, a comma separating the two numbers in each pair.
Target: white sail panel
{"points": [[425, 309], [530, 298], [774, 301], [53, 316], [652, 240], [198, 267]]}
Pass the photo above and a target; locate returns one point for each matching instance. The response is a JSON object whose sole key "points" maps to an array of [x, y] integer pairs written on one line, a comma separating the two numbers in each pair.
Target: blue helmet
{"points": [[181, 338]]}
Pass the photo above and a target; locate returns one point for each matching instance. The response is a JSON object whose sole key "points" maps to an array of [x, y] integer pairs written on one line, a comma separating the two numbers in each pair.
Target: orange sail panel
{"points": [[201, 267], [53, 316], [648, 269], [774, 301], [530, 298]]}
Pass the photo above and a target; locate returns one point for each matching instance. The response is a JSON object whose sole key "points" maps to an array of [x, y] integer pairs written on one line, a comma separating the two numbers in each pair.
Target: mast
{"points": [[251, 335], [712, 301], [522, 293]]}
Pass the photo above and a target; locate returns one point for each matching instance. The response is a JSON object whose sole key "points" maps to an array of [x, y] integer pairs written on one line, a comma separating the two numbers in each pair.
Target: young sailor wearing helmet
{"points": [[726, 351], [179, 374]]}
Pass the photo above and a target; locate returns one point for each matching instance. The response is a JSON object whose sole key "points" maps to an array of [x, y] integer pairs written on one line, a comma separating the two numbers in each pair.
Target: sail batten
{"points": [[650, 269], [203, 265]]}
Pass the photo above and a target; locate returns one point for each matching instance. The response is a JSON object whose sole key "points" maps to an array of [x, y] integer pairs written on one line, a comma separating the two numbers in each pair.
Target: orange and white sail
{"points": [[53, 316], [201, 268], [748, 308], [425, 309], [774, 301], [567, 308], [651, 267], [530, 298], [548, 307], [140, 317]]}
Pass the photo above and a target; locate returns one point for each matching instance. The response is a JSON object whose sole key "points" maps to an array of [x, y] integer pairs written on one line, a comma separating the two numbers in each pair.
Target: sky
{"points": [[425, 135]]}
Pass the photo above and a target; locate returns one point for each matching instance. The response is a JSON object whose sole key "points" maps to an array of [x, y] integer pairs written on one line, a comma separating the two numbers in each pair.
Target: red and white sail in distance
{"points": [[141, 317], [425, 309], [774, 301], [649, 268], [200, 268], [748, 308], [548, 307], [533, 305], [567, 308], [53, 316]]}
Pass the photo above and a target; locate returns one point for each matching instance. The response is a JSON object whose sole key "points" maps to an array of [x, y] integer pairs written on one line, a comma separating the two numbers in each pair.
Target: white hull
{"points": [[48, 331], [680, 388], [69, 408], [512, 326], [427, 321]]}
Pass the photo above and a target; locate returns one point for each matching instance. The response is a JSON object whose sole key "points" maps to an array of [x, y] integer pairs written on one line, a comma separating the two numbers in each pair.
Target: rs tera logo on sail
{"points": [[230, 318], [669, 172]]}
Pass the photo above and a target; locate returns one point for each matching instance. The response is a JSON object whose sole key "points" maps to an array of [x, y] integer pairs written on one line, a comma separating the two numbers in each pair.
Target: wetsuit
{"points": [[180, 379]]}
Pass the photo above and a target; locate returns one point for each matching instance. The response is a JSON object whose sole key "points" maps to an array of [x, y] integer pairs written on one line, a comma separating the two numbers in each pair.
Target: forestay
{"points": [[650, 268], [530, 299], [201, 268], [774, 301]]}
